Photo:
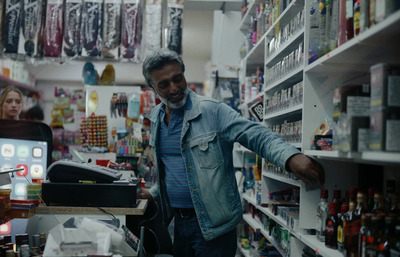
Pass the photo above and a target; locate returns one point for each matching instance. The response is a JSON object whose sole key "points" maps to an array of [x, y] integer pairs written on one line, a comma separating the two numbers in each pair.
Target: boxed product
{"points": [[385, 108], [351, 110]]}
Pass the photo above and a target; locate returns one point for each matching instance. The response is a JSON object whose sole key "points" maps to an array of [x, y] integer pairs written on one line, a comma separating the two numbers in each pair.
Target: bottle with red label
{"points": [[331, 226]]}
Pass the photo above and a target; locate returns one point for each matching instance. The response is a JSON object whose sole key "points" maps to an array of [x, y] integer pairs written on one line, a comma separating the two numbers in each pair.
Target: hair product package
{"points": [[111, 28], [175, 25], [31, 19], [53, 34], [91, 40], [131, 31], [153, 25], [72, 21], [12, 21]]}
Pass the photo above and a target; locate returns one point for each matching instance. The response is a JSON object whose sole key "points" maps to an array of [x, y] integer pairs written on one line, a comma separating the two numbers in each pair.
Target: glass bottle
{"points": [[340, 228], [370, 199], [378, 204], [387, 239], [331, 226], [356, 223], [322, 214], [372, 246], [348, 219], [390, 190], [364, 233], [394, 210], [337, 198]]}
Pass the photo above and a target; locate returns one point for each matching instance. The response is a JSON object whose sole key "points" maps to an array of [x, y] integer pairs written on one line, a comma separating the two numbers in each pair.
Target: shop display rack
{"points": [[348, 63]]}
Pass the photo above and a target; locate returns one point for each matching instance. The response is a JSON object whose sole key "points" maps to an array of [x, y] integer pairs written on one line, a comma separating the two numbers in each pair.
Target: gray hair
{"points": [[157, 60]]}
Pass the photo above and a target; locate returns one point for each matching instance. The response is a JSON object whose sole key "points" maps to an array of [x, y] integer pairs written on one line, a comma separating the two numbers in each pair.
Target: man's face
{"points": [[170, 85]]}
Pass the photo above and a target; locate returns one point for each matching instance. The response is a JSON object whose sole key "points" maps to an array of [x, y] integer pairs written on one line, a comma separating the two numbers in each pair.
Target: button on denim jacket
{"points": [[209, 131]]}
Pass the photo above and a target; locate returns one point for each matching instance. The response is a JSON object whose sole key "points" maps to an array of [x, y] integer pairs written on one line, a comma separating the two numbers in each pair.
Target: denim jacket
{"points": [[209, 131]]}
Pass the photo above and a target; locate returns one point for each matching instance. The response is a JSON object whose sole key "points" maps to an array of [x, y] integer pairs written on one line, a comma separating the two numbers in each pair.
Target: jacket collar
{"points": [[190, 113]]}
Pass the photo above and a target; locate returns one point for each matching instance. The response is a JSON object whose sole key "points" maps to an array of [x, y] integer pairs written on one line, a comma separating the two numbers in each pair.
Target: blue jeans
{"points": [[188, 240]]}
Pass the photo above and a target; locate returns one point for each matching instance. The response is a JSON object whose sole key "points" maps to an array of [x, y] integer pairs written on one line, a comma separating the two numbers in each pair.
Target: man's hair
{"points": [[157, 60]]}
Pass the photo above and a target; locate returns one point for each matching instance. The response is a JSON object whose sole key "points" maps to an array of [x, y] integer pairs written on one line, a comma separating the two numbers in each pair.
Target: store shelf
{"points": [[292, 77], [252, 222], [315, 244], [288, 47], [282, 178], [357, 55], [251, 11], [25, 89], [297, 109], [255, 57], [249, 199], [273, 242], [245, 252], [359, 157]]}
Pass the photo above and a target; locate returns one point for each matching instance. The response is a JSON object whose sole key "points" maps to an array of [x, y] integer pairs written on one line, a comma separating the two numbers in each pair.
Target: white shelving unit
{"points": [[348, 63]]}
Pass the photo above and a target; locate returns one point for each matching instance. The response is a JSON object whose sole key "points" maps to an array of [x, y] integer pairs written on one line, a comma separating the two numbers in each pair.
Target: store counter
{"points": [[47, 217]]}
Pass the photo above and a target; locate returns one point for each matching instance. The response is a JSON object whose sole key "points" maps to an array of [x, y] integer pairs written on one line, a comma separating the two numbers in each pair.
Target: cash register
{"points": [[85, 184]]}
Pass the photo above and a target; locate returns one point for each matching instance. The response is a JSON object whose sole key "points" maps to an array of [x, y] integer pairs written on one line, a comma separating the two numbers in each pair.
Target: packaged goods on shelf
{"points": [[31, 31], [72, 21], [174, 25], [351, 117], [53, 36], [385, 108], [111, 29], [131, 31], [91, 27], [153, 25]]}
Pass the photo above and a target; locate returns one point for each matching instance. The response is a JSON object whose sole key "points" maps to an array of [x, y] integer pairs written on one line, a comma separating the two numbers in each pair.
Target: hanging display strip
{"points": [[111, 28], [91, 28], [175, 25], [11, 26], [153, 25], [54, 27], [31, 15], [73, 13], [131, 34]]}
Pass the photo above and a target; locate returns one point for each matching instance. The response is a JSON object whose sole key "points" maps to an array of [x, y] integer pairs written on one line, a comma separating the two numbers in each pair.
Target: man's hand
{"points": [[306, 169], [145, 194]]}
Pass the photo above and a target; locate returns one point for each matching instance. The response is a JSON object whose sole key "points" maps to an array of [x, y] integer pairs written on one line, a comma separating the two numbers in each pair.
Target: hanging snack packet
{"points": [[111, 28], [31, 19], [131, 31], [11, 25], [174, 26], [72, 19], [53, 34], [153, 25], [91, 28]]}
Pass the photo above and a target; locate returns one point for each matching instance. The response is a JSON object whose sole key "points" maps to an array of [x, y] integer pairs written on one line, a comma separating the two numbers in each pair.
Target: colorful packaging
{"points": [[91, 40], [111, 28], [12, 23], [53, 35], [31, 19], [175, 25], [153, 25], [131, 31], [72, 20]]}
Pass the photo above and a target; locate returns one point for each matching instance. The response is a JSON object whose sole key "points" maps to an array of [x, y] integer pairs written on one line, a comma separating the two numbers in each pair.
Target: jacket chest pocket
{"points": [[207, 151]]}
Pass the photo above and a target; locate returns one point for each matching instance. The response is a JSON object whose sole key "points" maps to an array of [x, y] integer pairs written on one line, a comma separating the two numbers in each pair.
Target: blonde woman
{"points": [[10, 103]]}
